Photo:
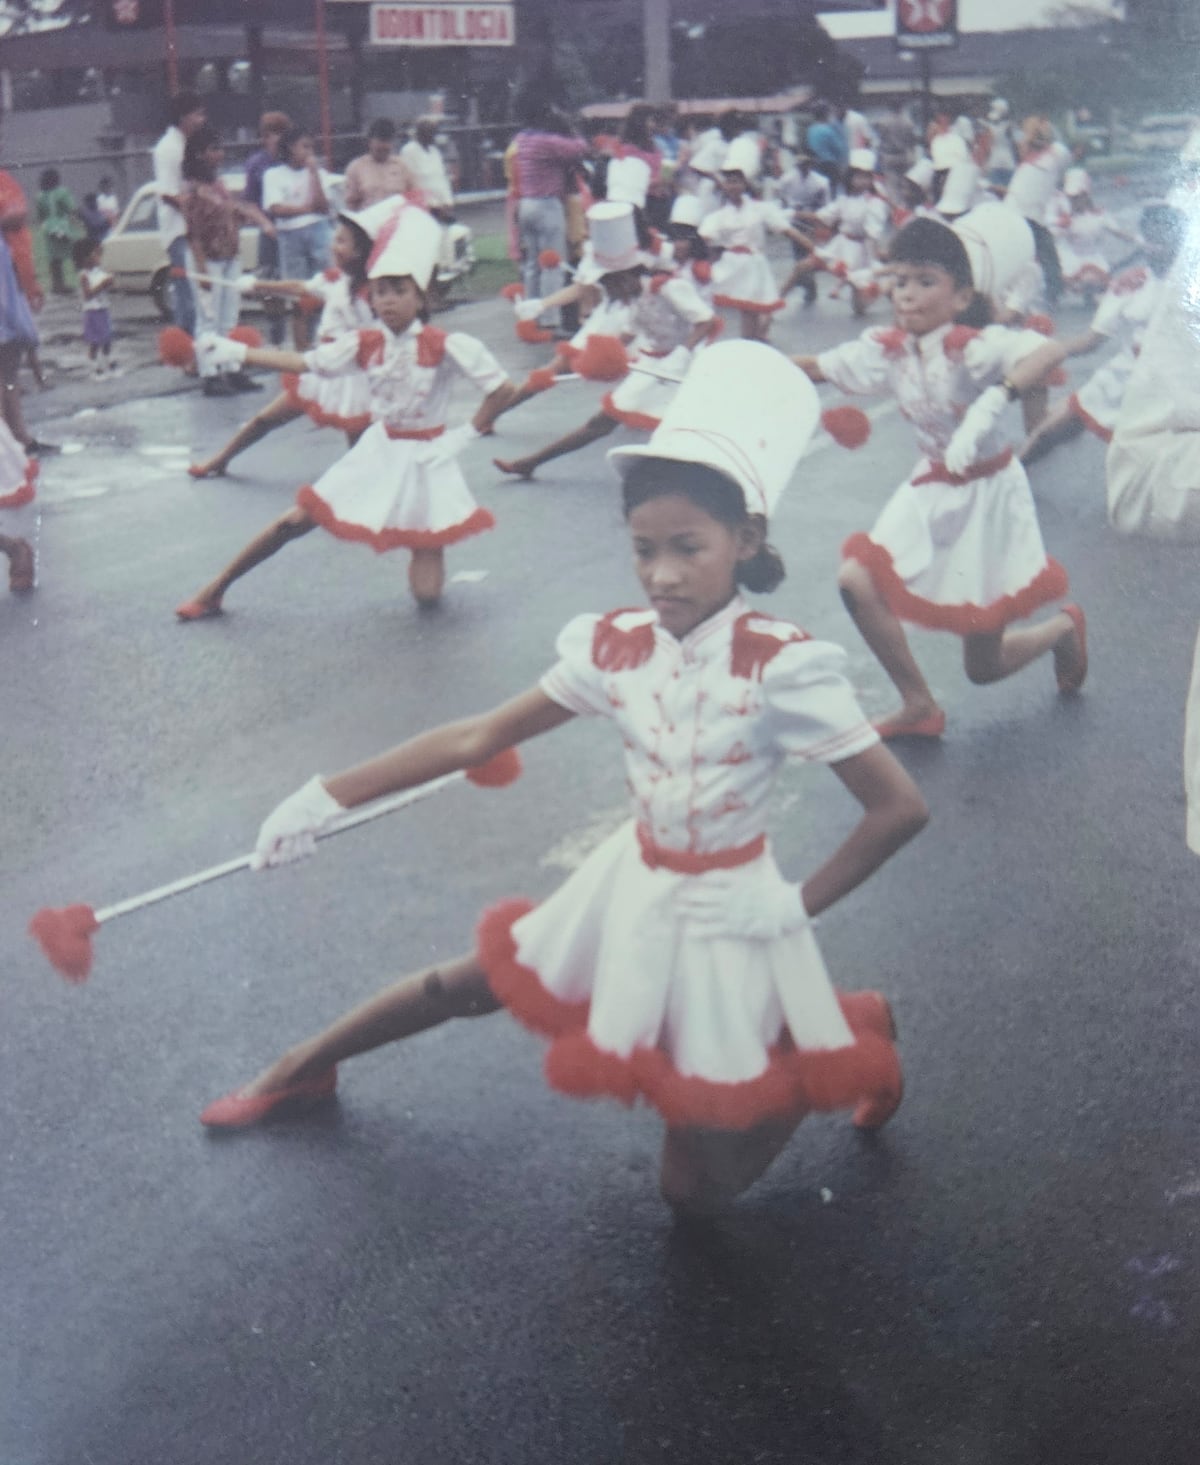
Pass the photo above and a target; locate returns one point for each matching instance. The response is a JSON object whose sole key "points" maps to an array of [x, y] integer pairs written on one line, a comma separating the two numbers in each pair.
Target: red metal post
{"points": [[172, 46], [323, 84]]}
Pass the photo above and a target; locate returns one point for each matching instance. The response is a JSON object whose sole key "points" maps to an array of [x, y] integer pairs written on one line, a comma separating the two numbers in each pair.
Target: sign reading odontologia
{"points": [[483, 23]]}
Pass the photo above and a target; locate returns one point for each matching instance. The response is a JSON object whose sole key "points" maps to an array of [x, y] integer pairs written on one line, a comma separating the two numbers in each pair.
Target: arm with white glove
{"points": [[979, 420], [290, 831], [220, 352]]}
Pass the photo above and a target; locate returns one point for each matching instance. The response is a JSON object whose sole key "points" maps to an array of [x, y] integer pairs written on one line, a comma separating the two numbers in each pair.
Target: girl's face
{"points": [[92, 260], [687, 560], [733, 186], [925, 297], [624, 285], [214, 156], [858, 182], [397, 301], [345, 249], [300, 152], [681, 248]]}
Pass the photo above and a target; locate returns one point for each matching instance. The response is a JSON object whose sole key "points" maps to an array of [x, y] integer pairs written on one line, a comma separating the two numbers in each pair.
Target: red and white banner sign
{"points": [[926, 23], [485, 23]]}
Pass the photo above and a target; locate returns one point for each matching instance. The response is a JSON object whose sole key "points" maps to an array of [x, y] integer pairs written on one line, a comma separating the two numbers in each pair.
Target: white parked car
{"points": [[1162, 132], [137, 261]]}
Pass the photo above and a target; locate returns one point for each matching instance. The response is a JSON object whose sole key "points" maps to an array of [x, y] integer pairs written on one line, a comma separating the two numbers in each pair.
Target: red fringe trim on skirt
{"points": [[640, 421], [963, 619], [25, 491], [383, 540], [317, 414], [794, 1081], [755, 307], [1080, 411]]}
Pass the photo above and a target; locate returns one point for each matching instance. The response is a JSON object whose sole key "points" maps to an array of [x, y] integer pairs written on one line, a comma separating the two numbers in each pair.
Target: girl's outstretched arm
{"points": [[446, 749], [893, 812], [808, 365]]}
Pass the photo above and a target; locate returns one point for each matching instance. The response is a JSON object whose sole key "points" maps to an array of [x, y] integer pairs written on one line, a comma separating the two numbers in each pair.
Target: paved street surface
{"points": [[452, 1265]]}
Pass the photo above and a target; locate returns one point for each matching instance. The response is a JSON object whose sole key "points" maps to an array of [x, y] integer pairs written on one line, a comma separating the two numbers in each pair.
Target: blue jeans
{"points": [[304, 252], [183, 302], [541, 224]]}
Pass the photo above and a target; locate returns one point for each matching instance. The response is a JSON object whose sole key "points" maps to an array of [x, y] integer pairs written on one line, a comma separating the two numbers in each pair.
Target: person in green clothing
{"points": [[57, 218]]}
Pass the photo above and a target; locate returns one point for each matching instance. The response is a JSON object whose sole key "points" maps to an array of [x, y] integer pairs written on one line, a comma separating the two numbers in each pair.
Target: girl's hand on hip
{"points": [[730, 903], [290, 832]]}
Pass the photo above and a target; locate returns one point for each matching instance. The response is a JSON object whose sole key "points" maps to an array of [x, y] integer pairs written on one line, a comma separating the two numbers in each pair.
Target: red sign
{"points": [[457, 24], [921, 23]]}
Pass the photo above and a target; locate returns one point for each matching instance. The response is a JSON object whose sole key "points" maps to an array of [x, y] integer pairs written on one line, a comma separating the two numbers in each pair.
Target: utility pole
{"points": [[656, 33]]}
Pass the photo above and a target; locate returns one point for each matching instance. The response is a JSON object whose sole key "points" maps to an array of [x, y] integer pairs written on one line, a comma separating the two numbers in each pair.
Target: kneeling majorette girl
{"points": [[958, 546], [676, 965], [399, 486]]}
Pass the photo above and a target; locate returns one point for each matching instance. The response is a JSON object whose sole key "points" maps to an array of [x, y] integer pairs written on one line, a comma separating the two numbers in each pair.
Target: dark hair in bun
{"points": [[717, 495], [926, 242]]}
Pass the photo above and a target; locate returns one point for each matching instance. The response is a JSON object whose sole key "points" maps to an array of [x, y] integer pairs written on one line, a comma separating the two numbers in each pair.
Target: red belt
{"points": [[939, 473], [741, 249], [413, 434], [684, 862]]}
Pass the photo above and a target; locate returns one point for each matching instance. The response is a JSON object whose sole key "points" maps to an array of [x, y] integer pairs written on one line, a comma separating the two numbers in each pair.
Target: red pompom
{"points": [[542, 379], [497, 772], [1057, 378], [1042, 324], [247, 336], [530, 332], [176, 347], [514, 290], [958, 338], [310, 304], [849, 427], [549, 259], [603, 359], [66, 935]]}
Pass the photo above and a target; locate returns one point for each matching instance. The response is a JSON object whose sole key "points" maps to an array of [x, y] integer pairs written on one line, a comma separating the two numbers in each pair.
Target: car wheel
{"points": [[160, 292]]}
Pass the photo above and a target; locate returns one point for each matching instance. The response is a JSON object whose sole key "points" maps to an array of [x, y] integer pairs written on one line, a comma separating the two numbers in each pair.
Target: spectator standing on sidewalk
{"points": [[547, 150], [213, 219], [376, 174], [423, 159], [107, 201], [826, 141], [187, 114], [271, 127], [294, 199], [59, 222], [20, 296]]}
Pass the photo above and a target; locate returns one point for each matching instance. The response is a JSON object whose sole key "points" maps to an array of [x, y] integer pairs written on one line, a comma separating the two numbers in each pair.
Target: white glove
{"points": [[528, 309], [218, 352], [290, 831], [246, 284], [982, 415], [729, 903], [447, 447]]}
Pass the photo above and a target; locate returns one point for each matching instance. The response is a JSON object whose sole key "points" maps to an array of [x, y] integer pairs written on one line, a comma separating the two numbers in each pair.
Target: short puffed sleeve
{"points": [[775, 216], [996, 350], [860, 367], [475, 361], [686, 301], [334, 358], [574, 681], [810, 708]]}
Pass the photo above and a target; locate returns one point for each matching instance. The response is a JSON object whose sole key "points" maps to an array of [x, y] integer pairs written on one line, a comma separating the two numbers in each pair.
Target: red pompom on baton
{"points": [[176, 347], [65, 934], [533, 334], [849, 427], [247, 336], [542, 379], [549, 259], [603, 359], [514, 290], [1042, 324]]}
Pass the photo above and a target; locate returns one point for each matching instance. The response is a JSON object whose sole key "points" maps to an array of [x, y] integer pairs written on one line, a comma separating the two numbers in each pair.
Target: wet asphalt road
{"points": [[451, 1264]]}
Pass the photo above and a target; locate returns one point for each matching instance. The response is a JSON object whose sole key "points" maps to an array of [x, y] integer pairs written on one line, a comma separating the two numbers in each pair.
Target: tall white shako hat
{"points": [[408, 244], [921, 173], [861, 160], [1076, 181], [960, 189], [999, 244], [372, 219], [687, 210], [612, 234], [743, 408], [998, 111], [627, 180], [743, 156]]}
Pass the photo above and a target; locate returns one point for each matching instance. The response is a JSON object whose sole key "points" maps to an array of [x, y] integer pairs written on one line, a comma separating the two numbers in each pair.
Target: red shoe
{"points": [[198, 470], [198, 610], [21, 567], [932, 726], [1071, 681], [239, 1111]]}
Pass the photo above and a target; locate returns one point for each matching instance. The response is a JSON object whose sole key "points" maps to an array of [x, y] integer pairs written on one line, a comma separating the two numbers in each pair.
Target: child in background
{"points": [[107, 201], [94, 285]]}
